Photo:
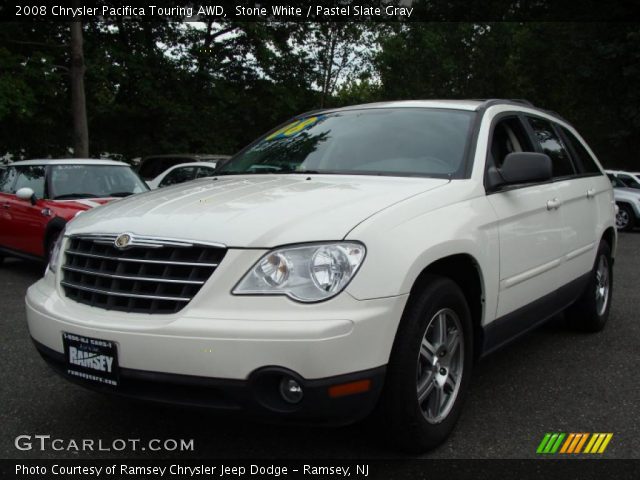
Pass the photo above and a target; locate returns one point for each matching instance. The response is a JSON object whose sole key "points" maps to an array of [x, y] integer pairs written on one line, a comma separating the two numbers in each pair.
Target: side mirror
{"points": [[521, 167], [27, 193]]}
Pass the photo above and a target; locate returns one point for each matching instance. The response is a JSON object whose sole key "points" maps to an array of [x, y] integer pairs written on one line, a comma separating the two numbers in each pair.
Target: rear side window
{"points": [[154, 166], [552, 146], [629, 180], [7, 176], [205, 172], [584, 158], [32, 177], [179, 175]]}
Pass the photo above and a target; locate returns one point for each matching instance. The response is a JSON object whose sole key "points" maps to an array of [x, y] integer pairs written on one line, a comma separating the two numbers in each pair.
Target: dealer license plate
{"points": [[91, 359]]}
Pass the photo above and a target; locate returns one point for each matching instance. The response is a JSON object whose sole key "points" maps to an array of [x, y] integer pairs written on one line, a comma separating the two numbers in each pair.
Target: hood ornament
{"points": [[122, 241]]}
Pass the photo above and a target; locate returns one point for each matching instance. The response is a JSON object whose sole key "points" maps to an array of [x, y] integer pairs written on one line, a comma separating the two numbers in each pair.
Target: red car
{"points": [[38, 197]]}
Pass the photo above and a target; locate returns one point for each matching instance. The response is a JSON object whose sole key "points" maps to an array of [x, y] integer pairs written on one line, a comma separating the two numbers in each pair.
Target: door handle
{"points": [[591, 193], [553, 204]]}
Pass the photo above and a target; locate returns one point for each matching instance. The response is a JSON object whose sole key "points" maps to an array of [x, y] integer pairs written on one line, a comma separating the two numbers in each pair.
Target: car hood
{"points": [[84, 203], [254, 210]]}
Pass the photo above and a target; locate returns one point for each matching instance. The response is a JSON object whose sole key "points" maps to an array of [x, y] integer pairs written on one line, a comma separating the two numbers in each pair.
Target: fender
{"points": [[56, 224]]}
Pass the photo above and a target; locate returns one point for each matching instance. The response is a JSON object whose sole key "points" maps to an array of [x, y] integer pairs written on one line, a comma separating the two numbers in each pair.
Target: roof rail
{"points": [[498, 101]]}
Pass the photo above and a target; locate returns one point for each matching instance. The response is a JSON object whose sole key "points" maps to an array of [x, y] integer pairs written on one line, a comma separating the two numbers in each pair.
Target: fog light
{"points": [[290, 390]]}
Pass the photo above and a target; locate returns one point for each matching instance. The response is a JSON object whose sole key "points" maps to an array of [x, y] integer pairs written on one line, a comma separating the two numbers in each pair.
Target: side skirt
{"points": [[506, 329]]}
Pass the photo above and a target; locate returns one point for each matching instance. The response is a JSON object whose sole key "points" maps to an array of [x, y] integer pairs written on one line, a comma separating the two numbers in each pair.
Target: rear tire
{"points": [[591, 310], [625, 218], [430, 367]]}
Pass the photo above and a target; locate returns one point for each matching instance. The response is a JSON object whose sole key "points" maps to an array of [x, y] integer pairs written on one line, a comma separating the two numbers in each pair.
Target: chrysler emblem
{"points": [[122, 241]]}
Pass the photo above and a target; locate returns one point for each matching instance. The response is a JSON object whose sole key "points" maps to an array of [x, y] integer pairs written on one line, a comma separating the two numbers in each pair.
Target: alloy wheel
{"points": [[440, 365], [602, 284], [622, 219]]}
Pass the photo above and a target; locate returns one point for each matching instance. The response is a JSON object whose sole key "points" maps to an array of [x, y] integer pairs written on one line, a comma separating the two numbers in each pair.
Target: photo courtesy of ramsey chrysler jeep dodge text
{"points": [[352, 259]]}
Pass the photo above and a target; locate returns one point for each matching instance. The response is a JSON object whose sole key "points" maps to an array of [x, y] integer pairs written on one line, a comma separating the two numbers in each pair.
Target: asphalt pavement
{"points": [[552, 380]]}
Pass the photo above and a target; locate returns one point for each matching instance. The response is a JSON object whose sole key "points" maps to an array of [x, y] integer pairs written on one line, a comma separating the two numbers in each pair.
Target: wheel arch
{"points": [[56, 224], [609, 236], [465, 271]]}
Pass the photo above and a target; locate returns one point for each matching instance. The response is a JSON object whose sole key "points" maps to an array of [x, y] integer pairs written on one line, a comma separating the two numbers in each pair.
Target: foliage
{"points": [[169, 87]]}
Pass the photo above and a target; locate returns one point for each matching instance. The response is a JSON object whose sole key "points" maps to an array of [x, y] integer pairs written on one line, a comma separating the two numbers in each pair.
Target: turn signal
{"points": [[350, 388]]}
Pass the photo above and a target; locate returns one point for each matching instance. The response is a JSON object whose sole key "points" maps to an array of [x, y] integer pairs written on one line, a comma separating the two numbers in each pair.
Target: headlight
{"points": [[307, 273], [54, 259]]}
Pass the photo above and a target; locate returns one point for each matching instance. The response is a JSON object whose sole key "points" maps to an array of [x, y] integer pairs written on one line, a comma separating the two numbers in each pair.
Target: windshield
{"points": [[384, 141], [88, 181]]}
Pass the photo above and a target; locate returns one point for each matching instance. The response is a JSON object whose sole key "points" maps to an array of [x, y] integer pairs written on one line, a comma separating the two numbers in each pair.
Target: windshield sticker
{"points": [[294, 128]]}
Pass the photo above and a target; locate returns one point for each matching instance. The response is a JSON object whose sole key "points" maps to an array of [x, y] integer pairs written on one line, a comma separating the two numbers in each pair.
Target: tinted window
{"points": [[179, 175], [629, 180], [31, 177], [588, 165], [154, 166], [552, 146], [7, 176], [420, 141], [205, 172], [508, 136], [615, 181]]}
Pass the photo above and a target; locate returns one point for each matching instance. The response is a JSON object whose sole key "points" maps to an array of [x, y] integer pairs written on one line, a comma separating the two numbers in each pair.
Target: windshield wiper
{"points": [[75, 195]]}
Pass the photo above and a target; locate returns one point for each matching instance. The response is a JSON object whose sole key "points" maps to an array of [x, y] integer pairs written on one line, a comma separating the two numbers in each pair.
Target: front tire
{"points": [[591, 310], [430, 366]]}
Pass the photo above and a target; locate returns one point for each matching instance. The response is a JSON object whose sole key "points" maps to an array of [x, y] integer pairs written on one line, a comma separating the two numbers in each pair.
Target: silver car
{"points": [[628, 202]]}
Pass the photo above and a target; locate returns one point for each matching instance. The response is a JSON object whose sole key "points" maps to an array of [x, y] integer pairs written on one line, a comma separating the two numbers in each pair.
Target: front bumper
{"points": [[203, 357], [256, 396]]}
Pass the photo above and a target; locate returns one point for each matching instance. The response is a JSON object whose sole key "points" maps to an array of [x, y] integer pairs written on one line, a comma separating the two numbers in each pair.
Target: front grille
{"points": [[151, 275]]}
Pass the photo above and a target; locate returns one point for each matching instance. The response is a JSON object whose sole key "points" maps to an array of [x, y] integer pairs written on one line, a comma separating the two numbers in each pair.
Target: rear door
{"points": [[530, 228], [589, 209], [576, 195]]}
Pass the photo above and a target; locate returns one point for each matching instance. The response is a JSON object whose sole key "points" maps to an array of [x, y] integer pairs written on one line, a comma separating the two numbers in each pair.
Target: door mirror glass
{"points": [[521, 167], [26, 193]]}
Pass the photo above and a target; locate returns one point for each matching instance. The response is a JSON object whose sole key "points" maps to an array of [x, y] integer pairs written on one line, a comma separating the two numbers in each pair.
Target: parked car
{"points": [[183, 172], [628, 179], [38, 197], [153, 165], [356, 257], [628, 202]]}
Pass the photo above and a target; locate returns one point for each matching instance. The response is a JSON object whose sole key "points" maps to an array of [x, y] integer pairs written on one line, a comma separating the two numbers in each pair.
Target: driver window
{"points": [[32, 177], [509, 136]]}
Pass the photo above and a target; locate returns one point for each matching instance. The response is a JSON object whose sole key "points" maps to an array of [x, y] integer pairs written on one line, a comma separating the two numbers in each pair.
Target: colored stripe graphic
{"points": [[550, 443], [573, 443]]}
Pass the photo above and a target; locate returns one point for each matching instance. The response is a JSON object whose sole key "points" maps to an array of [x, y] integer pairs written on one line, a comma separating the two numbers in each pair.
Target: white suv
{"points": [[354, 258]]}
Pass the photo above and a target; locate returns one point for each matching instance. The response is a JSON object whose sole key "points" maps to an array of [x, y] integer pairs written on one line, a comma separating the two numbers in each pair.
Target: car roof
{"points": [[186, 155], [68, 161], [470, 105], [192, 164]]}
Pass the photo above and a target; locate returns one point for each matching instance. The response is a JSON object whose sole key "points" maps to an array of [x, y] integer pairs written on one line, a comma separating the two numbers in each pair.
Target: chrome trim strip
{"points": [[173, 242], [529, 274], [127, 277], [139, 260], [579, 251], [120, 294]]}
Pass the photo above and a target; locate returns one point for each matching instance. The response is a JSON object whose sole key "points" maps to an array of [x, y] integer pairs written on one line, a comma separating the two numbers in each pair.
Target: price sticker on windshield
{"points": [[294, 128]]}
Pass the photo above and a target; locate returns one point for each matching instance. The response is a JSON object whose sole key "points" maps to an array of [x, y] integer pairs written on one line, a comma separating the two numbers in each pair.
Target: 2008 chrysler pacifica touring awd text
{"points": [[352, 259]]}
